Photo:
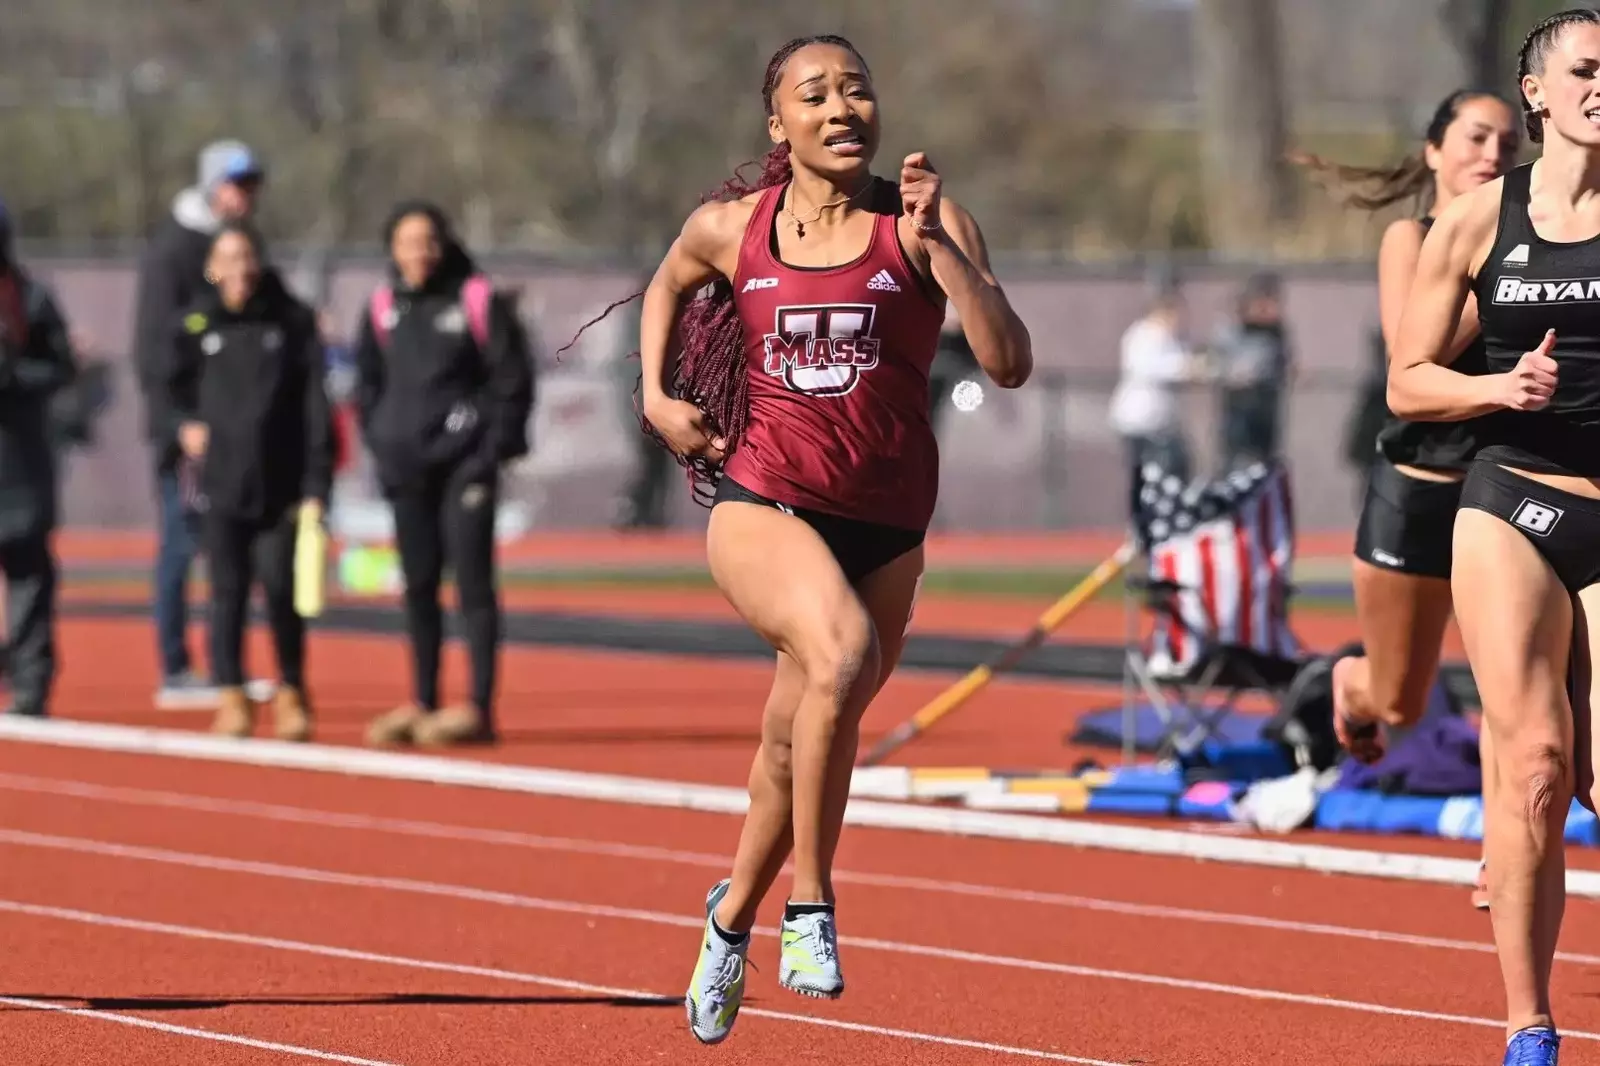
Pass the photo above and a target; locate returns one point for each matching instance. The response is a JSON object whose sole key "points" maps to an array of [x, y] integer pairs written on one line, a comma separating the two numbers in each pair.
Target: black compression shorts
{"points": [[858, 547], [1407, 523], [1564, 527]]}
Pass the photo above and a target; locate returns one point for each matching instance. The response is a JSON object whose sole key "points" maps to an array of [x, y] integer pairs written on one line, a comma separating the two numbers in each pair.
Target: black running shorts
{"points": [[1564, 527], [1407, 523], [858, 547]]}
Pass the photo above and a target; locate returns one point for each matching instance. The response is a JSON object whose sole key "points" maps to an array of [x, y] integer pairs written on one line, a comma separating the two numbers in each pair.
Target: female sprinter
{"points": [[801, 394], [1401, 570], [1527, 537], [245, 388]]}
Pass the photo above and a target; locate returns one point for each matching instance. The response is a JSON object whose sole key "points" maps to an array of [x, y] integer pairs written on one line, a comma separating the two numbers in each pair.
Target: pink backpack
{"points": [[476, 293]]}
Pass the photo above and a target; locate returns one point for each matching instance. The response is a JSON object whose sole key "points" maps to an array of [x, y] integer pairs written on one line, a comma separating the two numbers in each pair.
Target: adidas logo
{"points": [[1518, 256], [883, 282]]}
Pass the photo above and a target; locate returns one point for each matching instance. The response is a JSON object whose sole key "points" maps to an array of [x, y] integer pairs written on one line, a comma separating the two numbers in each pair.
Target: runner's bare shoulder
{"points": [[713, 232], [1465, 230]]}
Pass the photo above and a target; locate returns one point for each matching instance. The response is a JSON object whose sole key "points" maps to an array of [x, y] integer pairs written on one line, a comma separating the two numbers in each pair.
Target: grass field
{"points": [[1008, 582]]}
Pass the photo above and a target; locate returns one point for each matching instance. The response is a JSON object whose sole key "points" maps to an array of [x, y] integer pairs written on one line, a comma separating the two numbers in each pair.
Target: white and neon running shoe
{"points": [[809, 962], [717, 987]]}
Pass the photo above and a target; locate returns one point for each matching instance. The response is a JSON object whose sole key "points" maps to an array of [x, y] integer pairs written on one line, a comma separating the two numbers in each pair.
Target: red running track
{"points": [[320, 918]]}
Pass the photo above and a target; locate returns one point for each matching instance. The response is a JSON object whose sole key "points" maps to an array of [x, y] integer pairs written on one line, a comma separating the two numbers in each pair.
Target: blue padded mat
{"points": [[1367, 811]]}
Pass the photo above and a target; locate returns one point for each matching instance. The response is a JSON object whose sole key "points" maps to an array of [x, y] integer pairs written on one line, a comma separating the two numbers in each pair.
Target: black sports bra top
{"points": [[1438, 445], [1529, 285]]}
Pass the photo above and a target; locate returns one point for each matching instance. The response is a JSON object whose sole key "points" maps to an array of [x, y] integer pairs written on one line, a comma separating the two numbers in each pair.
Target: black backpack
{"points": [[1304, 722]]}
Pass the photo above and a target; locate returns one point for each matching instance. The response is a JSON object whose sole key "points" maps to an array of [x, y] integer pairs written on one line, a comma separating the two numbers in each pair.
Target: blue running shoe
{"points": [[1537, 1046]]}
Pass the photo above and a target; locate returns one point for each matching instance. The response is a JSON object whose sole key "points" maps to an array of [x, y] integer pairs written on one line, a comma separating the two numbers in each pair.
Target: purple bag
{"points": [[1439, 758]]}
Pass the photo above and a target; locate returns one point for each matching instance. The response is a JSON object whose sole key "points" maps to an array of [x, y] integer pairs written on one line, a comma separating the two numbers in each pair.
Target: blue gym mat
{"points": [[1104, 728]]}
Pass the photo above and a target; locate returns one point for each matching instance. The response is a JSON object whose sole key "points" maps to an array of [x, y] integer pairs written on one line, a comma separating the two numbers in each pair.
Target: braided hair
{"points": [[1374, 188], [710, 371], [1536, 49]]}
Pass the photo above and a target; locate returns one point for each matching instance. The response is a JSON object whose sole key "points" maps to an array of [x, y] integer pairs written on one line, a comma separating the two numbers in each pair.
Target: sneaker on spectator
{"points": [[261, 690], [462, 724], [187, 691], [396, 726]]}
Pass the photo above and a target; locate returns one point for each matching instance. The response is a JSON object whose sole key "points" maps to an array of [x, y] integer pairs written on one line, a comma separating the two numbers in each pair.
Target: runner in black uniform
{"points": [[1527, 537], [1401, 571]]}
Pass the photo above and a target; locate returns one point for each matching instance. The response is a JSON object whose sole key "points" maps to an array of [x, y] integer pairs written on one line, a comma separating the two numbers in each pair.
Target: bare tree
{"points": [[1242, 122], [592, 127], [1477, 29]]}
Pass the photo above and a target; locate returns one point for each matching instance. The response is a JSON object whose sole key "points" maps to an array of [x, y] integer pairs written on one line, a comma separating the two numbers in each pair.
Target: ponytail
{"points": [[1374, 188], [710, 371], [1371, 188]]}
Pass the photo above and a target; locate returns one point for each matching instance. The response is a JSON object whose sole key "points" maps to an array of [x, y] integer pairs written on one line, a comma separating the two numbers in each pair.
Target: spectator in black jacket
{"points": [[36, 361], [171, 278], [440, 412], [244, 393]]}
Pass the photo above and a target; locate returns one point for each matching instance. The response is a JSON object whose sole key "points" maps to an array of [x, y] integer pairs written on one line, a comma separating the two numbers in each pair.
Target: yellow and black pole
{"points": [[963, 690]]}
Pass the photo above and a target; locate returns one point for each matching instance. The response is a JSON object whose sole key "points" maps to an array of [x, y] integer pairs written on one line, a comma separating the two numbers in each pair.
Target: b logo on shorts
{"points": [[1537, 518]]}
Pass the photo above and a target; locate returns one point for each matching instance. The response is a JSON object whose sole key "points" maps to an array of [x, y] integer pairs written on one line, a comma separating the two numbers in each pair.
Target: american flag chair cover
{"points": [[1219, 559]]}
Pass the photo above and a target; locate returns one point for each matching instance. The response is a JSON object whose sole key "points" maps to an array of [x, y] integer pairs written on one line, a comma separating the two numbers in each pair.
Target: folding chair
{"points": [[1218, 559]]}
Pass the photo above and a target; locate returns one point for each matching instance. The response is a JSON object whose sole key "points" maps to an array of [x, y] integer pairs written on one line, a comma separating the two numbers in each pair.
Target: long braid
{"points": [[710, 371], [1536, 49]]}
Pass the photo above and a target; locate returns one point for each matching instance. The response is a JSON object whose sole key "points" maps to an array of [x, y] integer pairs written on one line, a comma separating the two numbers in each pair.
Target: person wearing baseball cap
{"points": [[228, 181]]}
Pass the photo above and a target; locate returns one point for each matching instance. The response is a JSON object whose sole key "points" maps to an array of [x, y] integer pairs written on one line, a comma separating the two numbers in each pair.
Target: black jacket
{"points": [[171, 279], [256, 379], [429, 402], [31, 373]]}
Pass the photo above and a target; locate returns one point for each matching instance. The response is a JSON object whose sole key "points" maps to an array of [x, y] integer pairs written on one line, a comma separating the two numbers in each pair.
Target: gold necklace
{"points": [[800, 227]]}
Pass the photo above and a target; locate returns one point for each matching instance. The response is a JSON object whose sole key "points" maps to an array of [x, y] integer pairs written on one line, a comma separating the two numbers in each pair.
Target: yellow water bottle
{"points": [[310, 561]]}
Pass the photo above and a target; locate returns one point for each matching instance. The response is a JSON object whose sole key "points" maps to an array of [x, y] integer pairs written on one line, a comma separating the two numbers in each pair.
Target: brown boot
{"points": [[463, 724], [291, 717], [396, 726], [235, 715]]}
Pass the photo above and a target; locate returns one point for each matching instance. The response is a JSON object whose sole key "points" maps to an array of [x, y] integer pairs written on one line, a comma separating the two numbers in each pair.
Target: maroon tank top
{"points": [[838, 361]]}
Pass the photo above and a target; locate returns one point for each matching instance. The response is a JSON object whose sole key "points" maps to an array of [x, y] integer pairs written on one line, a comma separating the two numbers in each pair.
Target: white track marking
{"points": [[702, 860], [726, 799], [110, 921], [591, 910], [184, 1030]]}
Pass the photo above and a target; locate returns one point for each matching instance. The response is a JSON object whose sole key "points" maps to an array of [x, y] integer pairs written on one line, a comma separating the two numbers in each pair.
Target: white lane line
{"points": [[110, 921], [703, 860], [184, 1030], [593, 910], [725, 799]]}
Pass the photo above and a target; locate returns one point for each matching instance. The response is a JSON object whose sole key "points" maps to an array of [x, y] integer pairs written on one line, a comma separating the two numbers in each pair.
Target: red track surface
{"points": [[656, 716], [428, 930], [1003, 618], [439, 897]]}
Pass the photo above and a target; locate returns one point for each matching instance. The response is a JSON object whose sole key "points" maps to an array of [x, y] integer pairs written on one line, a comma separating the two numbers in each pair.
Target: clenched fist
{"points": [[1531, 383], [919, 192]]}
